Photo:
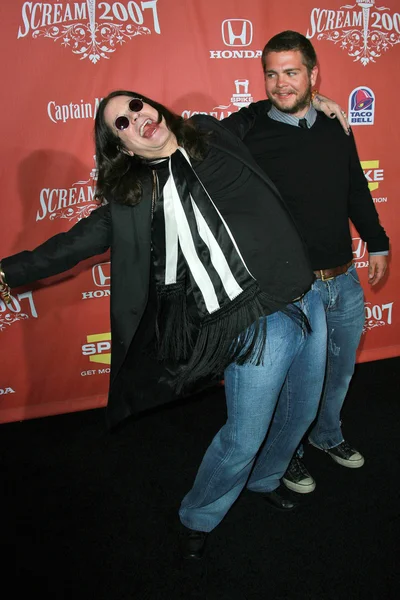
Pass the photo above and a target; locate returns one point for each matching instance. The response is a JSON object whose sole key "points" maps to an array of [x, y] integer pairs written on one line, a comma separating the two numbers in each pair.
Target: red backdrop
{"points": [[60, 58]]}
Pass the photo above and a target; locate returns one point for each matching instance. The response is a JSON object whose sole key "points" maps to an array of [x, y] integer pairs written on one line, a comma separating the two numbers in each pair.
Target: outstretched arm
{"points": [[243, 120], [61, 252], [331, 109]]}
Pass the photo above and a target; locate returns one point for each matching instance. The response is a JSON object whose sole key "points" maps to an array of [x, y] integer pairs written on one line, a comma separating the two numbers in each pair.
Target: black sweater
{"points": [[319, 175], [255, 213]]}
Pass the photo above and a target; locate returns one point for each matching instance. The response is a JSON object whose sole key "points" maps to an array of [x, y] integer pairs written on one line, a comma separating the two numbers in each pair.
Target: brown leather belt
{"points": [[326, 274]]}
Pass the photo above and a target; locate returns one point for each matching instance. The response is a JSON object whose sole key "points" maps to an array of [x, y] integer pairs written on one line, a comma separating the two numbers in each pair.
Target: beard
{"points": [[301, 102]]}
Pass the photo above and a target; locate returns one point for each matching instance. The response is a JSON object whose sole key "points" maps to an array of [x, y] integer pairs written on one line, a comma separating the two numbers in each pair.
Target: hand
{"points": [[5, 292], [377, 268], [332, 110]]}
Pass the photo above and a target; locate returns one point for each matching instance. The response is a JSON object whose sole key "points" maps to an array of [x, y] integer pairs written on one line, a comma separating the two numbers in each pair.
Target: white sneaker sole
{"points": [[300, 489], [350, 464]]}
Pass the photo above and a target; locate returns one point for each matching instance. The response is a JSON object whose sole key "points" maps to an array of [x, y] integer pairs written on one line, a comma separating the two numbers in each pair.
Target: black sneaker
{"points": [[193, 544], [297, 478], [346, 456]]}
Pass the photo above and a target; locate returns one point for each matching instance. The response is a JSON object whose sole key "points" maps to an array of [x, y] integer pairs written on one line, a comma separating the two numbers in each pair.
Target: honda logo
{"points": [[359, 248], [237, 32], [101, 274]]}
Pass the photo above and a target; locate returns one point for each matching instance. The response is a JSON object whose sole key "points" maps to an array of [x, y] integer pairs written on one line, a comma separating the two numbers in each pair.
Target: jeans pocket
{"points": [[352, 273]]}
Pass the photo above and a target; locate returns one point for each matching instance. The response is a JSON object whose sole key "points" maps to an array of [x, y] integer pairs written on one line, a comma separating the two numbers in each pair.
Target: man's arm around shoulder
{"points": [[243, 120]]}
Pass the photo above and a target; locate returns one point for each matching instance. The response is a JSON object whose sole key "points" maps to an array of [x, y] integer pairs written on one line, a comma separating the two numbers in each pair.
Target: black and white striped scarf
{"points": [[209, 304]]}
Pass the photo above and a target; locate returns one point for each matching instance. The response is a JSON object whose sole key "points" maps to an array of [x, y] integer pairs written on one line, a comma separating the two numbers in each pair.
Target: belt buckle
{"points": [[323, 278]]}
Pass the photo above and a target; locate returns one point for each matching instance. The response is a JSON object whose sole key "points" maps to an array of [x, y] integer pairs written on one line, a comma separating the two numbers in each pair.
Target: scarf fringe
{"points": [[224, 340], [235, 333], [190, 229], [173, 326]]}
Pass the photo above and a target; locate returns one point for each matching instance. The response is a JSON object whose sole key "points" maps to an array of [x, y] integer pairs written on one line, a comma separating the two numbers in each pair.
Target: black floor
{"points": [[89, 515]]}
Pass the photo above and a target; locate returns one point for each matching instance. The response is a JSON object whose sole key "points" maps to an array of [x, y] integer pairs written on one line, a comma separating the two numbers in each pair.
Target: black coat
{"points": [[126, 230]]}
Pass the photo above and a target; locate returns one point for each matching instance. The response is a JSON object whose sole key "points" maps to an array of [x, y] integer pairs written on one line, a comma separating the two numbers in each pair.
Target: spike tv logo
{"points": [[365, 31], [240, 98], [373, 174], [361, 106], [98, 348], [91, 30]]}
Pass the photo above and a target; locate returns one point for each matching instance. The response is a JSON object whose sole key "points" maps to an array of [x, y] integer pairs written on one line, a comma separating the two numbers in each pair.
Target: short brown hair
{"points": [[291, 40]]}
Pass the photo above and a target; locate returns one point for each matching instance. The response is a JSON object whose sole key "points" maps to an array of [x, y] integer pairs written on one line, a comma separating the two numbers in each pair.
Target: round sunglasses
{"points": [[135, 105]]}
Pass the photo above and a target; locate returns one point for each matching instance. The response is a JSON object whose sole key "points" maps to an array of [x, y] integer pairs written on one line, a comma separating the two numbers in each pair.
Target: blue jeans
{"points": [[269, 409], [343, 300]]}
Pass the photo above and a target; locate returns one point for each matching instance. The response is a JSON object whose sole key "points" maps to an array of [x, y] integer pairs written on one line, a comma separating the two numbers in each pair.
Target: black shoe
{"points": [[346, 455], [193, 544], [297, 478], [278, 501]]}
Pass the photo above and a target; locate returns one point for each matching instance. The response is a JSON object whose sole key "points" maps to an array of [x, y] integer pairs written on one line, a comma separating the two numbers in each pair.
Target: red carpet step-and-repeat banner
{"points": [[60, 58]]}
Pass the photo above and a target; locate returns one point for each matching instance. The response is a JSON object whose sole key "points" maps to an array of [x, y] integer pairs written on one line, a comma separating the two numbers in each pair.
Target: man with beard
{"points": [[209, 278], [317, 170]]}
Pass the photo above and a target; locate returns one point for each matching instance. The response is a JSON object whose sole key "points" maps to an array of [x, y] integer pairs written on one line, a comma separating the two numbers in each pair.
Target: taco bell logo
{"points": [[361, 106]]}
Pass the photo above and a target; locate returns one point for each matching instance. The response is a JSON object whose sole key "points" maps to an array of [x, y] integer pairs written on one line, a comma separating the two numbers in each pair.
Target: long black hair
{"points": [[120, 176]]}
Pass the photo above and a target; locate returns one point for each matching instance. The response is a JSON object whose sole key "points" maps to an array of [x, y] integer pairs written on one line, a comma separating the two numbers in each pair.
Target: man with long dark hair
{"points": [[209, 278], [317, 170]]}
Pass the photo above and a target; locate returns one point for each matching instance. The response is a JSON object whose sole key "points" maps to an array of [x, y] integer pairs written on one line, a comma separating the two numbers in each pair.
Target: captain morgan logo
{"points": [[363, 30], [61, 113], [92, 30]]}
